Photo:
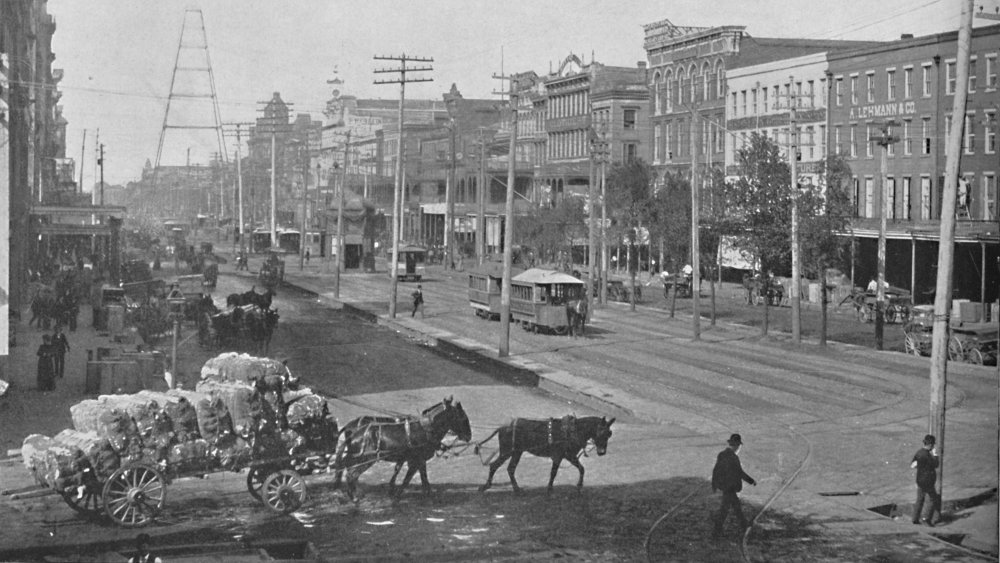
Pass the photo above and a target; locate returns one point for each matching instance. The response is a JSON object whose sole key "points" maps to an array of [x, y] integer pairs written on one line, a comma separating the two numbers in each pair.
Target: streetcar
{"points": [[546, 300], [485, 284], [410, 265]]}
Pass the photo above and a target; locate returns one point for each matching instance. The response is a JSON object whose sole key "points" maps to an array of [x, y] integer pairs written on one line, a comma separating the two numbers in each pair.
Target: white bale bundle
{"points": [[232, 366], [241, 401], [33, 454], [306, 408], [89, 442], [86, 415]]}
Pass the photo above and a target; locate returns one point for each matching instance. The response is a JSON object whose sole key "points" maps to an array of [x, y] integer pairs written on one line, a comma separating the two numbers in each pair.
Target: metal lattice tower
{"points": [[199, 42]]}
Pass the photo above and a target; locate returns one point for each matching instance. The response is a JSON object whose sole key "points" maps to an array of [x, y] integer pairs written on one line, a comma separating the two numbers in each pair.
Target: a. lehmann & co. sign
{"points": [[883, 110]]}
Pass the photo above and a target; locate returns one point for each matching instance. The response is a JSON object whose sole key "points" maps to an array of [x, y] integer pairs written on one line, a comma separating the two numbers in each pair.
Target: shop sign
{"points": [[883, 110]]}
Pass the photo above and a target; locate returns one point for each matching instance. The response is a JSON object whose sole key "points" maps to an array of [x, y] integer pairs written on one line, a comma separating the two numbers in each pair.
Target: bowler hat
{"points": [[929, 440], [735, 439]]}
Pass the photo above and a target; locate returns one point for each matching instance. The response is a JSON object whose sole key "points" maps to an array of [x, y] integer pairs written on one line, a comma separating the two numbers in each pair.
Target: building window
{"points": [[838, 91], [822, 140], [972, 74], [629, 150], [990, 132], [720, 77], [854, 141], [905, 210], [949, 77], [991, 71], [907, 83], [970, 134], [869, 197], [763, 100], [657, 139], [890, 204], [669, 94], [743, 102], [733, 109], [811, 93], [809, 142], [753, 101], [628, 118], [854, 90], [837, 141], [925, 198], [927, 80], [890, 83], [869, 143], [870, 87], [989, 197], [856, 197], [907, 141], [925, 134]]}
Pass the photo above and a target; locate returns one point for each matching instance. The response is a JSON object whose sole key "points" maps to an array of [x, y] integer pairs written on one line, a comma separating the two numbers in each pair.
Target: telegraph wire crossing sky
{"points": [[118, 57]]}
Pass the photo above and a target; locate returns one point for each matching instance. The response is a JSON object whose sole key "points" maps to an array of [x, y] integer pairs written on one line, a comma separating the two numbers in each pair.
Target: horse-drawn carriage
{"points": [[762, 290], [898, 304], [618, 291], [272, 272], [975, 343], [124, 450], [681, 283]]}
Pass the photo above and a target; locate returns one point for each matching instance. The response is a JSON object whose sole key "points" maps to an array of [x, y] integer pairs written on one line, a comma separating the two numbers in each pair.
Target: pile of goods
{"points": [[244, 410]]}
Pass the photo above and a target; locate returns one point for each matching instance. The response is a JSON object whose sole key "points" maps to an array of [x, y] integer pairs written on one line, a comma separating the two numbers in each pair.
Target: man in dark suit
{"points": [[925, 461], [728, 477]]}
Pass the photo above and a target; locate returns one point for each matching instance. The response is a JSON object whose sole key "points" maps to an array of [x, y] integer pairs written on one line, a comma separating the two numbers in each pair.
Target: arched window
{"points": [[720, 80], [657, 108], [693, 75], [706, 81], [668, 80], [681, 78]]}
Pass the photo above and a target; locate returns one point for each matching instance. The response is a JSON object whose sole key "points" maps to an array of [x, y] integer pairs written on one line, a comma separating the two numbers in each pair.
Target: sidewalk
{"points": [[844, 519]]}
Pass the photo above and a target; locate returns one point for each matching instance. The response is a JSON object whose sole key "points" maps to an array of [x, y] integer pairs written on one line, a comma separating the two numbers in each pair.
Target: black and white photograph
{"points": [[466, 280]]}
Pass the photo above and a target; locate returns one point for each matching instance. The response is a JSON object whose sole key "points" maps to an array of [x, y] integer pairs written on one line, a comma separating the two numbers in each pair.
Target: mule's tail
{"points": [[487, 439]]}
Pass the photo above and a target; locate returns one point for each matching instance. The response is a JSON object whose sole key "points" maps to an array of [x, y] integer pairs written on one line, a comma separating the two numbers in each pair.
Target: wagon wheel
{"points": [[956, 351], [911, 346], [975, 356], [255, 482], [284, 491], [903, 313], [89, 505], [134, 495]]}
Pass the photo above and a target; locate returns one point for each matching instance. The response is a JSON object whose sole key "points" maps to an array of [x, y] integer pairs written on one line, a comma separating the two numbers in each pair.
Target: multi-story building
{"points": [[908, 86]]}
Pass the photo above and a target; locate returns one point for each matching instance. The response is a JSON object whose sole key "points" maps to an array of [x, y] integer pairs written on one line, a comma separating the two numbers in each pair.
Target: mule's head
{"points": [[451, 417], [602, 434]]}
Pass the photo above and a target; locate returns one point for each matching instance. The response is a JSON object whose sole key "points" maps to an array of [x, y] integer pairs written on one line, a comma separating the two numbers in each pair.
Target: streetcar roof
{"points": [[540, 276]]}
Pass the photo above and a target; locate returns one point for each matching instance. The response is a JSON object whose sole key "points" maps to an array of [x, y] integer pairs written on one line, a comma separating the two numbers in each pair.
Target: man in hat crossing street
{"points": [[728, 477]]}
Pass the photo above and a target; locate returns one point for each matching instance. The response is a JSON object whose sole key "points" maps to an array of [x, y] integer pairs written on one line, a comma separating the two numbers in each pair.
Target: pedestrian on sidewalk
{"points": [[925, 461], [728, 477], [45, 376], [307, 255], [418, 302], [96, 294], [60, 346]]}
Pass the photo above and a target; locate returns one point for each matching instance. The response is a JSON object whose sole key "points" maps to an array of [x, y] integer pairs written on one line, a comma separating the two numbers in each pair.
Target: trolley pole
{"points": [[397, 206]]}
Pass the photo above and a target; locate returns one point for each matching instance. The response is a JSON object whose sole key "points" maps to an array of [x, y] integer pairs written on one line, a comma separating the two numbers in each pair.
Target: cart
{"points": [[898, 305], [975, 343]]}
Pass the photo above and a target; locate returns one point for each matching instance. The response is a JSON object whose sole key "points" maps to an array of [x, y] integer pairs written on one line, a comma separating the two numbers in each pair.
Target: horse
{"points": [[411, 440], [260, 324], [555, 438], [576, 314]]}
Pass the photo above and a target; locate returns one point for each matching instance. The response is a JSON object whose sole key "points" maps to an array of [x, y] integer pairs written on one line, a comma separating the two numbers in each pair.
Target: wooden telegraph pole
{"points": [[340, 217], [397, 206], [942, 296], [508, 231], [884, 140], [483, 194]]}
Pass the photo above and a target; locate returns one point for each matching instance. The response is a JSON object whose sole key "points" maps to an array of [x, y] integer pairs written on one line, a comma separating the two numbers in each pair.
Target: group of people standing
{"points": [[52, 359]]}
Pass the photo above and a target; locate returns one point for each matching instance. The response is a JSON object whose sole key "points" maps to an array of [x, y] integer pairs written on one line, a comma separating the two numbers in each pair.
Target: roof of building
{"points": [[915, 41], [758, 50]]}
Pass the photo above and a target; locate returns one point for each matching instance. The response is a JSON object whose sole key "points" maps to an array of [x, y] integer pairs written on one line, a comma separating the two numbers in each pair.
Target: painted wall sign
{"points": [[883, 110]]}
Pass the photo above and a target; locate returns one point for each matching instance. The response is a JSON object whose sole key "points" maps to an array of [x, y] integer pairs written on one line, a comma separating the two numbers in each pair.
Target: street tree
{"points": [[552, 229], [825, 217], [759, 202], [629, 192], [669, 223]]}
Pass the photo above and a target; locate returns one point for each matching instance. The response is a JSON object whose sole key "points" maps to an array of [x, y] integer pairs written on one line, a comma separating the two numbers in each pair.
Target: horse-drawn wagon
{"points": [[898, 304], [272, 272], [548, 300], [124, 450], [975, 343]]}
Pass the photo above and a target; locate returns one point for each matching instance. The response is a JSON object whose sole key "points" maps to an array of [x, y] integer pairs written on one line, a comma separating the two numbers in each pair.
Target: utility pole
{"points": [[100, 162], [695, 244], [605, 266], [449, 205], [883, 140], [402, 80], [305, 191], [483, 194], [340, 217], [592, 283], [239, 184], [942, 295], [508, 231], [83, 146], [793, 158]]}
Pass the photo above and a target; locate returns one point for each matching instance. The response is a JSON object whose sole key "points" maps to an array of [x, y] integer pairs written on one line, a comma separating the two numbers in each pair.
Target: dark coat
{"points": [[728, 473], [926, 468]]}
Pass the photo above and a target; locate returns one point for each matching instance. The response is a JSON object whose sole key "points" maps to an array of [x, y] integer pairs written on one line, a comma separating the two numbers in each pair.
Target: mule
{"points": [[576, 315], [410, 440], [555, 438]]}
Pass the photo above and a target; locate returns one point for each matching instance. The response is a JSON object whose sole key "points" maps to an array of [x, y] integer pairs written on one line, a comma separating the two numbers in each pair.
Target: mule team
{"points": [[413, 440]]}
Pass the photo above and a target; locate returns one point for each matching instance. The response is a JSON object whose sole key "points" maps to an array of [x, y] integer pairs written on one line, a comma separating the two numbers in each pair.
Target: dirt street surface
{"points": [[829, 435]]}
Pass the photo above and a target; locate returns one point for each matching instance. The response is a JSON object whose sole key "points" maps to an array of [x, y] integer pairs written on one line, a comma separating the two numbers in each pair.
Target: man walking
{"points": [[925, 461], [418, 302], [728, 477], [60, 346]]}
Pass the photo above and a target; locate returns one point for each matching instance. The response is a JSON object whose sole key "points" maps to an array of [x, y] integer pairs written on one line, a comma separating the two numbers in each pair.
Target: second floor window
{"points": [[890, 83], [991, 71], [854, 90], [908, 83], [949, 77], [870, 87], [907, 141], [838, 91], [927, 81], [990, 133], [628, 121]]}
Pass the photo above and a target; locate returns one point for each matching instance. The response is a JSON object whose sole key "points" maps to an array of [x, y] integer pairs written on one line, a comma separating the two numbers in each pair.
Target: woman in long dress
{"points": [[46, 365]]}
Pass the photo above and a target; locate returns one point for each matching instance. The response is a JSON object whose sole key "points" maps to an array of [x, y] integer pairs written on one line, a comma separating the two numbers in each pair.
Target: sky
{"points": [[119, 55]]}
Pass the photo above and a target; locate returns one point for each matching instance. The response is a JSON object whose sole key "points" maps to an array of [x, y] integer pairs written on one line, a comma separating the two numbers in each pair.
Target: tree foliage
{"points": [[552, 229], [629, 192], [825, 212], [758, 204], [669, 218]]}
